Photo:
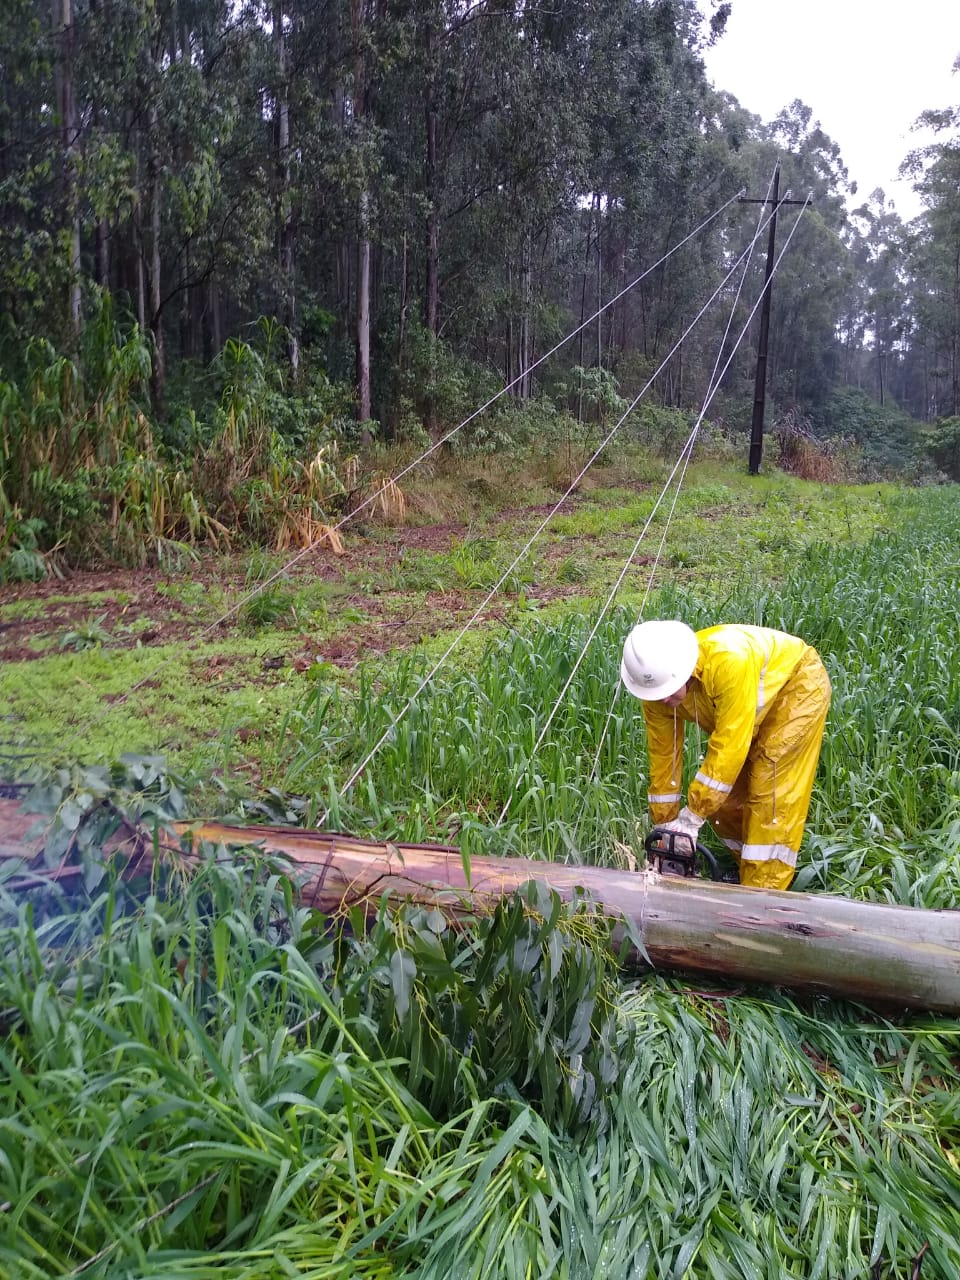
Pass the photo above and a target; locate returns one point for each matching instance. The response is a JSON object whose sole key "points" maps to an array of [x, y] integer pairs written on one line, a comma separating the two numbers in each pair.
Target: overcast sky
{"points": [[867, 68]]}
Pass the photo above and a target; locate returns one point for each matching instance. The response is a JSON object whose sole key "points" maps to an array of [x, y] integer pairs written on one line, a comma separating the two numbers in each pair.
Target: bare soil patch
{"points": [[153, 607]]}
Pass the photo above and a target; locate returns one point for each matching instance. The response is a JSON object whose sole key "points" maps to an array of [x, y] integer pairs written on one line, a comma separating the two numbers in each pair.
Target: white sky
{"points": [[866, 68]]}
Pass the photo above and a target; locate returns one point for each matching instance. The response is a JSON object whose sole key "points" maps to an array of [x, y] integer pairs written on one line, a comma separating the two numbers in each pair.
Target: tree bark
{"points": [[866, 951], [431, 308], [155, 187], [103, 253], [66, 105], [873, 952], [526, 305], [285, 228], [363, 315], [216, 324], [594, 205], [362, 309], [431, 300]]}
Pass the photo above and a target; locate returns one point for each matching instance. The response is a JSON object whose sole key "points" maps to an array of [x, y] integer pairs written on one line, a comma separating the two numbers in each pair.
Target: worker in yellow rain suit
{"points": [[762, 696]]}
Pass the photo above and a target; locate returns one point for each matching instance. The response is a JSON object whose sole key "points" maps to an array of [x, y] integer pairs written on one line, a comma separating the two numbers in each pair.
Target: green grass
{"points": [[212, 1081], [728, 528], [199, 1078], [211, 711]]}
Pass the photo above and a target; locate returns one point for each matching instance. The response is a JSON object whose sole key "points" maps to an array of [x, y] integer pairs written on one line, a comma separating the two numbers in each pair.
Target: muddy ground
{"points": [[206, 600]]}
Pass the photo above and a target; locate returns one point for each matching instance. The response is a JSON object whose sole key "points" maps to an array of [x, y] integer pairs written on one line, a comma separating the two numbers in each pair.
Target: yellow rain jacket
{"points": [[762, 696]]}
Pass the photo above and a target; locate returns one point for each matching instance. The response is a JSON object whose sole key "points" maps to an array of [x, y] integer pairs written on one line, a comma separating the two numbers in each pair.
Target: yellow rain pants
{"points": [[763, 698]]}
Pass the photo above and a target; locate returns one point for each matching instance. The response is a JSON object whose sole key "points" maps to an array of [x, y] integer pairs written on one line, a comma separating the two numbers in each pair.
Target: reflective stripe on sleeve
{"points": [[760, 694], [706, 781], [767, 852], [672, 798]]}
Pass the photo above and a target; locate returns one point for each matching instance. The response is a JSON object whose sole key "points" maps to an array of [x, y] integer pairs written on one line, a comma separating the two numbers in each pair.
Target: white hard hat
{"points": [[658, 659]]}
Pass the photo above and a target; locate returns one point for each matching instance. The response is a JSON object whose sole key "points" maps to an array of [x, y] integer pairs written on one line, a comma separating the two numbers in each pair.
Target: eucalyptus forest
{"points": [[299, 228], [367, 370]]}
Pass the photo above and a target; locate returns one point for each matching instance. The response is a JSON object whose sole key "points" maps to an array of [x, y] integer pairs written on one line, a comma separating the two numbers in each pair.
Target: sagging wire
{"points": [[713, 381], [388, 484], [395, 721], [681, 460]]}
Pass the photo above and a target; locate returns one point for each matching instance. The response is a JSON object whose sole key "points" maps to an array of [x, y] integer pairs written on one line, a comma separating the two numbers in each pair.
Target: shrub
{"points": [[887, 438], [942, 444], [800, 454], [20, 557], [663, 430]]}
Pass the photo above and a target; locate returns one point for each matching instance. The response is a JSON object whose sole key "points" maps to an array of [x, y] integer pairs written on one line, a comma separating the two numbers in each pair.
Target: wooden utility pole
{"points": [[760, 378], [874, 952]]}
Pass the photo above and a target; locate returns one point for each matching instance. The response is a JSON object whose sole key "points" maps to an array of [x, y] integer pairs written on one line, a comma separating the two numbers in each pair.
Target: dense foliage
{"points": [[425, 196]]}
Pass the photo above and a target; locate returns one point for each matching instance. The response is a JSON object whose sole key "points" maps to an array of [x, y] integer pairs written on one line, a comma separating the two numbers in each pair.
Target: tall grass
{"points": [[216, 1082], [214, 1079], [204, 1079], [884, 618]]}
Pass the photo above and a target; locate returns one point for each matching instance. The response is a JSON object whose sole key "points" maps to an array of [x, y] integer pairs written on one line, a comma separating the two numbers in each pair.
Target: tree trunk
{"points": [[285, 229], [859, 950], [875, 952], [362, 307], [138, 238], [216, 324], [526, 305], [583, 303], [599, 291], [402, 317], [431, 308], [508, 341], [363, 315], [184, 310], [154, 184], [431, 300], [678, 397], [103, 253], [66, 105]]}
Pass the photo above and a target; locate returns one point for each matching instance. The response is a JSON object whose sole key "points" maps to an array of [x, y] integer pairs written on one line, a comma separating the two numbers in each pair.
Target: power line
{"points": [[388, 484], [683, 457], [385, 736], [666, 528]]}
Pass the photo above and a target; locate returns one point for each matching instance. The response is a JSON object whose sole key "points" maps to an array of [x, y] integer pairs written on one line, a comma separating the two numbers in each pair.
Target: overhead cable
{"points": [[388, 484], [361, 768], [684, 453], [714, 380]]}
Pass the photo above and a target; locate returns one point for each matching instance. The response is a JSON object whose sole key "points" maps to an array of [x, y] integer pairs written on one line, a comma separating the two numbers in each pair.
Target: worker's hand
{"points": [[686, 823]]}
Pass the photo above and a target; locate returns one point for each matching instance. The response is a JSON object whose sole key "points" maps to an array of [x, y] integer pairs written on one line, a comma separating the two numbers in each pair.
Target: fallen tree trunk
{"points": [[863, 950], [866, 951]]}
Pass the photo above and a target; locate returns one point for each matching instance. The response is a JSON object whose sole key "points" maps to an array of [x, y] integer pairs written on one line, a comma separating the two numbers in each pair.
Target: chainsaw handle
{"points": [[658, 838]]}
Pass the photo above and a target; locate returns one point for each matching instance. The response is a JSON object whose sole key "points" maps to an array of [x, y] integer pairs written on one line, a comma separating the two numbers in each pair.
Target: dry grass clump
{"points": [[802, 454]]}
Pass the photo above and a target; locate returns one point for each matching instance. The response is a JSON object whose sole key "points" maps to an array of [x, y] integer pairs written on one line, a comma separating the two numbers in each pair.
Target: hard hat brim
{"points": [[653, 693]]}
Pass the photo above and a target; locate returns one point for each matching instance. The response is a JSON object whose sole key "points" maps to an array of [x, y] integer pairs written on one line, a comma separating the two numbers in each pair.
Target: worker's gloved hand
{"points": [[686, 823]]}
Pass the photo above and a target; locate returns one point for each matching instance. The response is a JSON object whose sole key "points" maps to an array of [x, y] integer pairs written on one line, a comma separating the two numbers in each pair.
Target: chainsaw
{"points": [[674, 854]]}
